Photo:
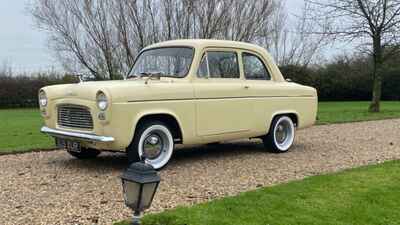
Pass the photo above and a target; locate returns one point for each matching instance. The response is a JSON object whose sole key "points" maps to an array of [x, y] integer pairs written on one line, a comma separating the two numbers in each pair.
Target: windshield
{"points": [[167, 62]]}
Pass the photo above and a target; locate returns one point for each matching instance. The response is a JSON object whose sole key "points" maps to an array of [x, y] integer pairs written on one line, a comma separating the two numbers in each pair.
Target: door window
{"points": [[219, 64], [254, 68], [203, 68]]}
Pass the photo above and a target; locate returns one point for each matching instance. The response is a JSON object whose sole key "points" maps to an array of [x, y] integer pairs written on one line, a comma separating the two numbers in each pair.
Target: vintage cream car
{"points": [[180, 92]]}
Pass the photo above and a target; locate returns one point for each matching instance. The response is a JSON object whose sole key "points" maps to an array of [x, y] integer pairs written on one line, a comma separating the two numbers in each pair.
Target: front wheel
{"points": [[281, 135], [154, 141]]}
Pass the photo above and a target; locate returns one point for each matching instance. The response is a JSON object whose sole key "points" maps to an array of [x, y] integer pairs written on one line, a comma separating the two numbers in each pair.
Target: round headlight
{"points": [[102, 101], [42, 98]]}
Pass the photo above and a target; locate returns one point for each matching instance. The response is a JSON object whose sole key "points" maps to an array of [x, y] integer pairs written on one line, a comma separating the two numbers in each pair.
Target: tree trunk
{"points": [[377, 74], [376, 93]]}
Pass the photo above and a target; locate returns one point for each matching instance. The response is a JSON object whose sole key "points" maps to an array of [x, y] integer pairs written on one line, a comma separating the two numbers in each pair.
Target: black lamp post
{"points": [[139, 182]]}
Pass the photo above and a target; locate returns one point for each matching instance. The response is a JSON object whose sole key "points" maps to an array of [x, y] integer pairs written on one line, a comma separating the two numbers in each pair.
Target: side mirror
{"points": [[289, 80]]}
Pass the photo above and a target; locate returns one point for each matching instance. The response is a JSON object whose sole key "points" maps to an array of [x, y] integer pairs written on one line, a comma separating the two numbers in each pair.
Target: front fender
{"points": [[152, 112]]}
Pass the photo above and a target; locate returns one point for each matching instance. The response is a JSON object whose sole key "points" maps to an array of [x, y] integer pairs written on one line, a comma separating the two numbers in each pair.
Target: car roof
{"points": [[203, 43]]}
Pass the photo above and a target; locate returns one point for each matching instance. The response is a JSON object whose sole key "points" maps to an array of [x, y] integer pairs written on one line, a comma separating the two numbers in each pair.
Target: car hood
{"points": [[121, 90]]}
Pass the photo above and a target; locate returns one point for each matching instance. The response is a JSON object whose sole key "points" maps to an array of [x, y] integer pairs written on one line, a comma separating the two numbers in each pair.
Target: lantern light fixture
{"points": [[139, 183]]}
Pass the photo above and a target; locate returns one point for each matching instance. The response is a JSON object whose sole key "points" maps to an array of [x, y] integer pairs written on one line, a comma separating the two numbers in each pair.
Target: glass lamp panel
{"points": [[131, 193], [147, 195]]}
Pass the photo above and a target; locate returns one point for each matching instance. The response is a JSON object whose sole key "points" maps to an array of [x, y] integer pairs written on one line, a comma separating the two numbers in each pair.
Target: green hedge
{"points": [[346, 80], [22, 91]]}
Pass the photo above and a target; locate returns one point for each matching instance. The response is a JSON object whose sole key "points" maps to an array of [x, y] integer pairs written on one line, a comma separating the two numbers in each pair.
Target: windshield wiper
{"points": [[150, 75], [133, 76], [156, 74]]}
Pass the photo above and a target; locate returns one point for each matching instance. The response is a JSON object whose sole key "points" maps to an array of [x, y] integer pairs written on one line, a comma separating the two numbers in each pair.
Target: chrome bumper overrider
{"points": [[75, 135]]}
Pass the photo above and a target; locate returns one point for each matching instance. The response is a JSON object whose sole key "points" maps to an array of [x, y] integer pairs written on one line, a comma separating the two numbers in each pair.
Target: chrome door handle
{"points": [[246, 87]]}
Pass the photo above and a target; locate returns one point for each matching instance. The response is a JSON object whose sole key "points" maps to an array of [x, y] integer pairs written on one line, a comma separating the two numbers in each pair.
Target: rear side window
{"points": [[254, 68], [219, 64]]}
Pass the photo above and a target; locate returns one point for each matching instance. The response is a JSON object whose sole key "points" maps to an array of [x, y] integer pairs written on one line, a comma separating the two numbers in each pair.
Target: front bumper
{"points": [[76, 135]]}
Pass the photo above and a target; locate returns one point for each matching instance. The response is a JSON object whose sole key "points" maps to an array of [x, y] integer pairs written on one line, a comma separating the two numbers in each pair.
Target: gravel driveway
{"points": [[54, 188]]}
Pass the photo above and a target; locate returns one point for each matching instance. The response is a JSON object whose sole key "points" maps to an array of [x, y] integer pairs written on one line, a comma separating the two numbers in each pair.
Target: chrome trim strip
{"points": [[75, 135], [220, 98]]}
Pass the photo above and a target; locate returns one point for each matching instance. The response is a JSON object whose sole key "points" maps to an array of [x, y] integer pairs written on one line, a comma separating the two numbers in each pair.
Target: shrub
{"points": [[22, 90], [346, 79]]}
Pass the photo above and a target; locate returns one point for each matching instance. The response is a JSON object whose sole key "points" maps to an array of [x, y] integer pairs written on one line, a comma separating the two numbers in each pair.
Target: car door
{"points": [[261, 87], [221, 104]]}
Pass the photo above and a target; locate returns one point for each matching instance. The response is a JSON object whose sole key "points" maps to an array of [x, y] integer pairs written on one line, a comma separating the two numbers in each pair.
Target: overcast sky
{"points": [[24, 47], [21, 45]]}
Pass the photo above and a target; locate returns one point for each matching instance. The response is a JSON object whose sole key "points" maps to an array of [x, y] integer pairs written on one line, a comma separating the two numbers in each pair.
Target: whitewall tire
{"points": [[153, 141], [281, 135]]}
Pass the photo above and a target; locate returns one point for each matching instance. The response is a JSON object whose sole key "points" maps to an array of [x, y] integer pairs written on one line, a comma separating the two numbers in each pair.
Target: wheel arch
{"points": [[169, 118], [291, 114]]}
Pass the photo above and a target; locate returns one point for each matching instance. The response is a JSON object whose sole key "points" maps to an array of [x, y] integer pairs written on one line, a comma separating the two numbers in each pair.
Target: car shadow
{"points": [[182, 155], [211, 151]]}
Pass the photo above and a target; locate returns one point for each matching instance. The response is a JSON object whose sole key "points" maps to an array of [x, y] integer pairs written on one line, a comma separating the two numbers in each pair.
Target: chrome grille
{"points": [[74, 116]]}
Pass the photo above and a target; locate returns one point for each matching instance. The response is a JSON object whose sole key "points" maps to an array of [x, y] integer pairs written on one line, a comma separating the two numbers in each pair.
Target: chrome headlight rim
{"points": [[43, 101], [102, 100]]}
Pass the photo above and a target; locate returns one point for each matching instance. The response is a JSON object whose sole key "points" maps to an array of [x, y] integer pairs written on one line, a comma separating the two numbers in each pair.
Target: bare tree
{"points": [[80, 32], [103, 37], [374, 23], [243, 27], [291, 40], [6, 68]]}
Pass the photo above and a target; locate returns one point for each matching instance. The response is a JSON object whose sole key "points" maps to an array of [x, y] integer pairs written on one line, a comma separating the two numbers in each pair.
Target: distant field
{"points": [[19, 128]]}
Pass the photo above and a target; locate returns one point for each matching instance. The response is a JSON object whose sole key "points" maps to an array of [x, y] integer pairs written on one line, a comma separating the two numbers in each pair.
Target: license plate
{"points": [[71, 146]]}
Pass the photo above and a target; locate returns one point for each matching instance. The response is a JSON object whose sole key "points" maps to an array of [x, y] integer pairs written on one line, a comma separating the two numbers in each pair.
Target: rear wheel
{"points": [[281, 135], [85, 153], [154, 141]]}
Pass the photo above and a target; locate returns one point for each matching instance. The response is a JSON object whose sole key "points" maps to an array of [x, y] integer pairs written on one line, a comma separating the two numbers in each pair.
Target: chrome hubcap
{"points": [[156, 145], [282, 133], [153, 146]]}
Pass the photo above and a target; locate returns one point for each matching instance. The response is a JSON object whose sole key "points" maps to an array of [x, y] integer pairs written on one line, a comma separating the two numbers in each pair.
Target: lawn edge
{"points": [[338, 172], [354, 121], [17, 152], [20, 152]]}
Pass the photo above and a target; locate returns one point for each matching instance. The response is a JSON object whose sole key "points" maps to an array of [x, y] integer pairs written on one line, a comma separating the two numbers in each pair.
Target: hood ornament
{"points": [[83, 77]]}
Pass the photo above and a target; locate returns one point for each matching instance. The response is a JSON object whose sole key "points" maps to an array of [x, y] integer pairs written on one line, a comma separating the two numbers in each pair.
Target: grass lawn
{"points": [[19, 131], [342, 112], [367, 196], [19, 128]]}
